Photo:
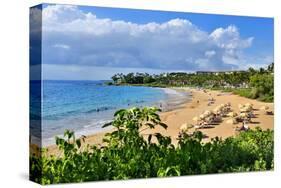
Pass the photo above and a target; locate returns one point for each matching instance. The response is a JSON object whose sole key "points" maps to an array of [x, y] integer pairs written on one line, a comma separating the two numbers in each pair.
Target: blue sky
{"points": [[83, 42], [259, 27]]}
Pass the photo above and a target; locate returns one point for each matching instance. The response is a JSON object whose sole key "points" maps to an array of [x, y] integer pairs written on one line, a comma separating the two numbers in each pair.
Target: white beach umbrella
{"points": [[216, 111], [243, 115], [202, 116], [232, 114], [196, 118], [220, 107], [248, 108], [244, 109], [207, 113], [240, 106], [185, 127], [249, 104]]}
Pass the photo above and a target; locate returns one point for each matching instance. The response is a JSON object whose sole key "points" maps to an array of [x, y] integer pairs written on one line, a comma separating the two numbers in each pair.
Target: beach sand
{"points": [[199, 103]]}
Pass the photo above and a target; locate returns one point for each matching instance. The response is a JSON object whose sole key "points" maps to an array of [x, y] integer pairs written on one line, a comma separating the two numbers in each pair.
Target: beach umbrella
{"points": [[244, 109], [208, 119], [231, 121], [232, 114], [248, 108], [202, 116], [216, 111], [243, 115], [249, 104], [196, 118], [220, 107], [264, 108], [184, 127], [224, 106], [207, 113]]}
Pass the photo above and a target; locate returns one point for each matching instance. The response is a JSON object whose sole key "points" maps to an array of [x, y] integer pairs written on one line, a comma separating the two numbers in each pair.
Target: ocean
{"points": [[84, 106]]}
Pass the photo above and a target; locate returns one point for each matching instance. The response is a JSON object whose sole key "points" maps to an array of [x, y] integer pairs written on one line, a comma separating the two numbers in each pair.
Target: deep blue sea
{"points": [[84, 106]]}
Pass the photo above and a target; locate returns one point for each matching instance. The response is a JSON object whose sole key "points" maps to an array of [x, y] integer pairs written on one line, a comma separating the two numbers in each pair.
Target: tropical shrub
{"points": [[263, 87]]}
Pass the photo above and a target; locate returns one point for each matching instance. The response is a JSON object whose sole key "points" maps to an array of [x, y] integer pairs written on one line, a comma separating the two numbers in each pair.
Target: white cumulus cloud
{"points": [[176, 44]]}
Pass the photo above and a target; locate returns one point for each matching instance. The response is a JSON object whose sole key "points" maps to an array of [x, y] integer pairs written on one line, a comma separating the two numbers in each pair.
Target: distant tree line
{"points": [[257, 83], [133, 78]]}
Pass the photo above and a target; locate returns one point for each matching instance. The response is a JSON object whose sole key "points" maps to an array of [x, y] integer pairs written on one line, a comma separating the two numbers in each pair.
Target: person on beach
{"points": [[160, 106], [244, 127], [251, 114]]}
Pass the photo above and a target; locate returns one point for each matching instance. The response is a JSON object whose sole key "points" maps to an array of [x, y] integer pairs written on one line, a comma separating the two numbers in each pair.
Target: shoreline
{"points": [[184, 114], [172, 99]]}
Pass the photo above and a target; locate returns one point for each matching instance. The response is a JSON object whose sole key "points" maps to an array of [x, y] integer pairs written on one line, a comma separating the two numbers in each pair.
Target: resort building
{"points": [[218, 72]]}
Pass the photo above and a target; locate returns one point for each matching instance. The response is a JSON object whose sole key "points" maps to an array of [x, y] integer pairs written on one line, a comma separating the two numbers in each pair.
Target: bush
{"points": [[126, 153], [263, 87]]}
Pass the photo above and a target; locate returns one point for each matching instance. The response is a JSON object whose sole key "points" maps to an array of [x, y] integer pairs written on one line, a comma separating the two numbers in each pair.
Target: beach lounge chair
{"points": [[251, 114], [269, 112], [205, 125], [217, 119]]}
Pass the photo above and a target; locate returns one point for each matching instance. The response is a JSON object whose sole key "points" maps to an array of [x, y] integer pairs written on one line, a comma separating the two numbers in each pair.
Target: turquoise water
{"points": [[84, 106]]}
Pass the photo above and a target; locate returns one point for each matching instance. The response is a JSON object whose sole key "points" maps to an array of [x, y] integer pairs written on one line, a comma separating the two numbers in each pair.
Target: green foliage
{"points": [[131, 78], [255, 84], [263, 85], [126, 153], [262, 88]]}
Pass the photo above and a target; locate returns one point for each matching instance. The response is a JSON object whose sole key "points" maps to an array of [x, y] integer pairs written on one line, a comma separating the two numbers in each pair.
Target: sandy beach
{"points": [[199, 103]]}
